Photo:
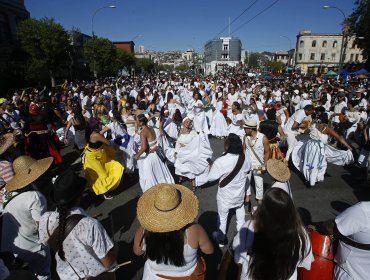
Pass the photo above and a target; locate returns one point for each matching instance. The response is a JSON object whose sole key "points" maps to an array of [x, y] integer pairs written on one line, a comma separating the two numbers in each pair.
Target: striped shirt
{"points": [[6, 174]]}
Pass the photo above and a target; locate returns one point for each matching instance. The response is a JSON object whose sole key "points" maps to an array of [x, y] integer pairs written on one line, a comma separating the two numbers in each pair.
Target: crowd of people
{"points": [[160, 126]]}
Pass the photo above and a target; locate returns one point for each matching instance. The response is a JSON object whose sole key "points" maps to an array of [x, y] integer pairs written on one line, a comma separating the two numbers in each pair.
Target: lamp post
{"points": [[290, 47], [341, 54], [92, 31]]}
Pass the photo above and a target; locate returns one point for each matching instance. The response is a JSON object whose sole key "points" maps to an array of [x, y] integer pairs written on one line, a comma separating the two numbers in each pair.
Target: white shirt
{"points": [[87, 243], [243, 241], [353, 263], [233, 193], [338, 109], [20, 230], [298, 117]]}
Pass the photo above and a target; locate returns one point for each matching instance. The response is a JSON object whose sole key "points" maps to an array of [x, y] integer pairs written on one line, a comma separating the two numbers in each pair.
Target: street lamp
{"points": [[341, 54], [290, 47], [93, 16], [92, 31]]}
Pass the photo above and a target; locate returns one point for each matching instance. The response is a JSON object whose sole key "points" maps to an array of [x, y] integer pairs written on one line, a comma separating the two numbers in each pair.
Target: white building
{"points": [[188, 55], [318, 53], [221, 52]]}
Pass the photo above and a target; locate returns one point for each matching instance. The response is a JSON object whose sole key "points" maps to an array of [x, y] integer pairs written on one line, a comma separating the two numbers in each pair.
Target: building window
{"points": [[4, 29], [312, 56], [351, 57], [314, 43], [322, 57], [225, 47], [299, 56], [356, 56], [353, 45], [324, 44], [335, 44], [301, 44], [344, 57], [333, 57], [225, 56]]}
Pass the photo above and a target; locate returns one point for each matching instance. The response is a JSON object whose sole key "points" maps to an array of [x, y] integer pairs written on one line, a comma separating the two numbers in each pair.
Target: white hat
{"points": [[296, 91], [250, 123]]}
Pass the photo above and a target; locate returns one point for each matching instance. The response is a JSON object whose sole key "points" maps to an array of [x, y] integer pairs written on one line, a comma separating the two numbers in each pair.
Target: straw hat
{"points": [[167, 207], [27, 170], [278, 170], [250, 123], [6, 140]]}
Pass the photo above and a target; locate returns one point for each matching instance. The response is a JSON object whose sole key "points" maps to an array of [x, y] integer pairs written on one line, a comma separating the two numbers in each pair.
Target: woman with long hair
{"points": [[274, 242], [81, 245], [78, 122], [168, 235], [152, 170], [232, 169], [103, 173]]}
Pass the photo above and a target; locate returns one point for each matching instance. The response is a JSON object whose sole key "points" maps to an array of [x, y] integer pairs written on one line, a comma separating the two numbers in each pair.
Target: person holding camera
{"points": [[257, 146]]}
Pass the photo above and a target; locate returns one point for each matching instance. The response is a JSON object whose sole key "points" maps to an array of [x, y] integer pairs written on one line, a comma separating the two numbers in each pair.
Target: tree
{"points": [[359, 23], [101, 55], [124, 59], [276, 66], [145, 64], [46, 43]]}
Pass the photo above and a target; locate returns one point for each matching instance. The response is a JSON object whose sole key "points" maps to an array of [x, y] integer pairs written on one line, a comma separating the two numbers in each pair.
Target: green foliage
{"points": [[256, 60], [124, 59], [105, 55], [276, 65], [46, 43], [359, 23], [182, 67], [145, 64]]}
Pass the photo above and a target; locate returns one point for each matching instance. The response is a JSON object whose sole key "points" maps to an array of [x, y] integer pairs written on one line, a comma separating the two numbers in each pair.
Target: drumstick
{"points": [[123, 264]]}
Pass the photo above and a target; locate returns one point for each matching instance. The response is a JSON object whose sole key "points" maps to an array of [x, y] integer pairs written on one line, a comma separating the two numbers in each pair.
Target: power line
{"points": [[261, 12], [246, 9]]}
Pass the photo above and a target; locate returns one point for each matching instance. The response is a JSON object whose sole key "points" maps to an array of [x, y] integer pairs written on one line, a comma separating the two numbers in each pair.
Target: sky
{"points": [[164, 25]]}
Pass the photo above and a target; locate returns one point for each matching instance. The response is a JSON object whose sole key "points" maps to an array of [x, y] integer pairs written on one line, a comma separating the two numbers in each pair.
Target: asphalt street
{"points": [[324, 201]]}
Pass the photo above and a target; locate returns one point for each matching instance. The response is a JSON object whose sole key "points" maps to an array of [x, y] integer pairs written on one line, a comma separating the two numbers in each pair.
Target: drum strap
{"points": [[351, 242]]}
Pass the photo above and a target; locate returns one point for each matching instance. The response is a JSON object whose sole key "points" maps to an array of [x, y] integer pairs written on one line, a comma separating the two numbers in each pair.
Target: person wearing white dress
{"points": [[200, 120], [310, 157], [270, 246], [231, 190], [219, 127], [192, 153], [235, 120], [294, 123], [152, 170]]}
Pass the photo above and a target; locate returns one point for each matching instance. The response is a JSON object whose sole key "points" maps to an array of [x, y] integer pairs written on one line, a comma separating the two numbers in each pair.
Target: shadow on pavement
{"points": [[305, 216], [126, 253], [360, 190], [208, 220], [340, 206]]}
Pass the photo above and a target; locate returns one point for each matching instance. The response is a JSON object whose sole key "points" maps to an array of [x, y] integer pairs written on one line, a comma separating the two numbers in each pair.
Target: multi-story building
{"points": [[11, 13], [318, 53], [128, 46], [221, 52]]}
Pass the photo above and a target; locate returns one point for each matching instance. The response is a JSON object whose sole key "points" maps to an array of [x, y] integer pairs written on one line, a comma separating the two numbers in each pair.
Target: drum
{"points": [[323, 249]]}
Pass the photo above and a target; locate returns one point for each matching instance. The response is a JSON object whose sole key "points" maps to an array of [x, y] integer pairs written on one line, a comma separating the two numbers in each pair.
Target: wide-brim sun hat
{"points": [[278, 170], [27, 170], [6, 141], [166, 208]]}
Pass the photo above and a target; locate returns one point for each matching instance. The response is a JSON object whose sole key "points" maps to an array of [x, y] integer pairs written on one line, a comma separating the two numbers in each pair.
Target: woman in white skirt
{"points": [[311, 156], [219, 126], [152, 170]]}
